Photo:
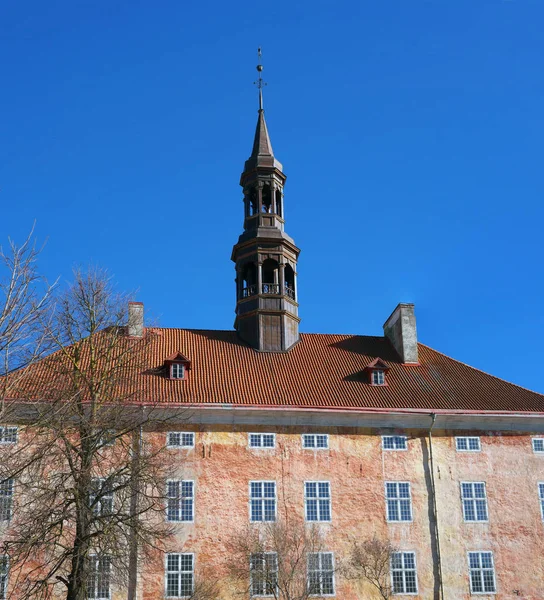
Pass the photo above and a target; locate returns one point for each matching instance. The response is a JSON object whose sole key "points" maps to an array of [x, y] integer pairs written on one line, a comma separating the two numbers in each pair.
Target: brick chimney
{"points": [[135, 319], [400, 329]]}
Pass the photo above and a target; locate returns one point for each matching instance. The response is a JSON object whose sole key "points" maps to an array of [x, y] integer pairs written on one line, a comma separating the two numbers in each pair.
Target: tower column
{"points": [[282, 278], [259, 277]]}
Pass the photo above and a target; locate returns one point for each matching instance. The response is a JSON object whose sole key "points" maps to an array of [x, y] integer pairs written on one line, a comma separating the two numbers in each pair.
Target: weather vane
{"points": [[260, 83]]}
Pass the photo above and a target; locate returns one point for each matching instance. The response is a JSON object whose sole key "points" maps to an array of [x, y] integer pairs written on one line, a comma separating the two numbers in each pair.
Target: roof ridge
{"points": [[481, 370]]}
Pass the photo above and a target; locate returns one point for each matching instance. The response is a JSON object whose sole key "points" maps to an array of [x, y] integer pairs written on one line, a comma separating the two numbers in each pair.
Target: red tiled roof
{"points": [[322, 371]]}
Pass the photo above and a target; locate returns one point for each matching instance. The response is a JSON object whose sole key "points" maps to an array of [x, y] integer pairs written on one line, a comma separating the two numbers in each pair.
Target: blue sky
{"points": [[410, 131]]}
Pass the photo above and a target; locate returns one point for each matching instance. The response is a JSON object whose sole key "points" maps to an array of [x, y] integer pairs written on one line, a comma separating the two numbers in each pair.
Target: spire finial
{"points": [[260, 83]]}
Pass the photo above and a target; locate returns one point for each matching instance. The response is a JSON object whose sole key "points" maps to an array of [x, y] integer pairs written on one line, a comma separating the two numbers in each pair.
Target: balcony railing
{"points": [[248, 291], [271, 288], [268, 288]]}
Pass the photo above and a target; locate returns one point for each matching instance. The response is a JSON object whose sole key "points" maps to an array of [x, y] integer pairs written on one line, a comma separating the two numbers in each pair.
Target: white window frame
{"points": [[404, 570], [266, 583], [179, 572], [320, 570], [262, 500], [467, 439], [318, 498], [94, 571], [182, 443], [398, 500], [6, 500], [315, 446], [101, 509], [181, 500], [177, 370], [539, 439], [7, 432], [540, 487], [260, 436], [481, 570], [379, 375], [394, 438], [474, 500], [4, 576]]}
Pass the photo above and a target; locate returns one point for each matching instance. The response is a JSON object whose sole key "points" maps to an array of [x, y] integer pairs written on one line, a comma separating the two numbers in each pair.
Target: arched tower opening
{"points": [[271, 282], [290, 282]]}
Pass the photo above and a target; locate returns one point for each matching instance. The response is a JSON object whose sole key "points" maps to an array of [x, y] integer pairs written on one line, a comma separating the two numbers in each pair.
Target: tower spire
{"points": [[265, 256], [260, 83]]}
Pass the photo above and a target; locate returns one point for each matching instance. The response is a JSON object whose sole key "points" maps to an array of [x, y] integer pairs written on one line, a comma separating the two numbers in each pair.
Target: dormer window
{"points": [[378, 377], [177, 366], [377, 371], [177, 371]]}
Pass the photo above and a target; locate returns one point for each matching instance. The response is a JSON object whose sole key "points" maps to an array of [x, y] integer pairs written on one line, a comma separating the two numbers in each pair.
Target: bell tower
{"points": [[265, 256]]}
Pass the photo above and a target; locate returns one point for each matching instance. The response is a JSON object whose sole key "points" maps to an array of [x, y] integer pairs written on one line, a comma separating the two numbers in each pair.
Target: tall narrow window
{"points": [[6, 499], [98, 586], [8, 435], [482, 572], [263, 569], [4, 569], [467, 444], [262, 500], [321, 574], [101, 496], [473, 496], [180, 570], [180, 500], [398, 501], [403, 573], [541, 497], [317, 496]]}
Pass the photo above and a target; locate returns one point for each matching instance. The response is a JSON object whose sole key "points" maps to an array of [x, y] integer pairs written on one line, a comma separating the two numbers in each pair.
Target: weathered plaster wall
{"points": [[222, 465]]}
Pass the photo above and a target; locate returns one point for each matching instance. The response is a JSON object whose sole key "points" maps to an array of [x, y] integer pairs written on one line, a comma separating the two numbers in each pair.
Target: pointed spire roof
{"points": [[261, 144], [262, 154]]}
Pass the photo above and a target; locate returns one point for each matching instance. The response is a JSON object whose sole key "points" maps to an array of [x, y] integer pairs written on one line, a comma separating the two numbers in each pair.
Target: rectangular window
{"points": [[4, 568], [318, 441], [263, 569], [177, 371], [180, 439], [541, 497], [482, 572], [538, 445], [262, 440], [321, 574], [101, 496], [262, 500], [403, 573], [180, 572], [378, 377], [98, 586], [180, 500], [107, 437], [398, 501], [8, 435], [6, 499], [467, 444], [394, 442], [473, 496], [317, 499]]}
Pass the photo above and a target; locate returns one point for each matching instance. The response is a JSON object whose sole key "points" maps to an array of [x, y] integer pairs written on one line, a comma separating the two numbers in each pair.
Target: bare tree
{"points": [[280, 559], [90, 493], [370, 562], [25, 303]]}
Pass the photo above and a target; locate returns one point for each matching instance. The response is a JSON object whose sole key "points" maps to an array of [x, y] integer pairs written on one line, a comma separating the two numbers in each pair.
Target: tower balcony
{"points": [[272, 289]]}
